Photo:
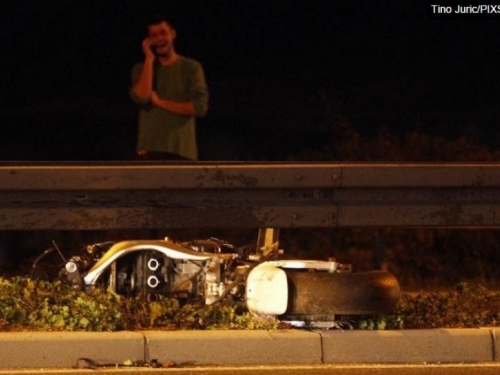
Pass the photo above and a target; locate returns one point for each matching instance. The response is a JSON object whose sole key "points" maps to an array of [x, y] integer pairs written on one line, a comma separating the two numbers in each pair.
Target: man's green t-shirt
{"points": [[163, 131]]}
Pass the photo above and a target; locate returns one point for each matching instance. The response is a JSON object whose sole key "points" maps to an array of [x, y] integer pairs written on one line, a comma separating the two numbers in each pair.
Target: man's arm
{"points": [[143, 88], [198, 96], [179, 108], [198, 91]]}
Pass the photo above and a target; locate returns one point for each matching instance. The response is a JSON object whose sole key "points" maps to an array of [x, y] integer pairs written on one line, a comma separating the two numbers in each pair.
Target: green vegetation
{"points": [[467, 306], [28, 305]]}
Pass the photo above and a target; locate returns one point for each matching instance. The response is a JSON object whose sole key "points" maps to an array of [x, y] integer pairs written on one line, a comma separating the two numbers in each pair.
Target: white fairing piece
{"points": [[267, 290]]}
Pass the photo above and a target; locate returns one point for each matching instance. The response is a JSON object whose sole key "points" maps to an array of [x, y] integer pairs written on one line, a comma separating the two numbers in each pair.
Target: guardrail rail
{"points": [[127, 195]]}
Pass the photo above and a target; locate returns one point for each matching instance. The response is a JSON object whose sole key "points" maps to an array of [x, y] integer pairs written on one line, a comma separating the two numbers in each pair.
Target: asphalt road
{"points": [[385, 369]]}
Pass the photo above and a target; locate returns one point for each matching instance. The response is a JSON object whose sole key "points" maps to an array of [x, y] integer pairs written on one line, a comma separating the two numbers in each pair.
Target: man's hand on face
{"points": [[147, 49]]}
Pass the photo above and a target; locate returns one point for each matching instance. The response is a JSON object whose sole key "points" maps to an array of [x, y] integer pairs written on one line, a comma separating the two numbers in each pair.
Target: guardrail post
{"points": [[268, 240]]}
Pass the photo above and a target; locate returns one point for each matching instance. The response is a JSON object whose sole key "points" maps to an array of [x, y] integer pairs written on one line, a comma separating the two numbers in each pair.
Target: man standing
{"points": [[171, 91]]}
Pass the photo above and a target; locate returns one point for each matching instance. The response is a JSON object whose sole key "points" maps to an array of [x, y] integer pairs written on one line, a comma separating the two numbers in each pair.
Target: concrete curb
{"points": [[62, 349], [286, 347], [236, 347], [409, 346]]}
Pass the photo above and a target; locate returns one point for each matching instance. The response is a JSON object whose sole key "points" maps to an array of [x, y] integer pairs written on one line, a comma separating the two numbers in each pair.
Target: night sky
{"points": [[65, 73]]}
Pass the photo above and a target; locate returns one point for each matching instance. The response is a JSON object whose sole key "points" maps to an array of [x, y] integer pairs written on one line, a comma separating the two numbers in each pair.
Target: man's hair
{"points": [[159, 18]]}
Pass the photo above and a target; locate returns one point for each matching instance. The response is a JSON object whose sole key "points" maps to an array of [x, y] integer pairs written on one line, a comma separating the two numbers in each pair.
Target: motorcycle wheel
{"points": [[319, 295]]}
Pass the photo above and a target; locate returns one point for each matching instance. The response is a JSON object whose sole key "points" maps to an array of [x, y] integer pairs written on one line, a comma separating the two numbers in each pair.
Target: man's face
{"points": [[162, 38]]}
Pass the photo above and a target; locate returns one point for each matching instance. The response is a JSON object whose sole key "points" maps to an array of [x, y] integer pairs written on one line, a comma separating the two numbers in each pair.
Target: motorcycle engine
{"points": [[151, 274]]}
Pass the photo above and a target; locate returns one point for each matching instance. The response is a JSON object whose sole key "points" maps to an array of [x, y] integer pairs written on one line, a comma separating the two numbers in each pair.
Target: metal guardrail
{"points": [[128, 195]]}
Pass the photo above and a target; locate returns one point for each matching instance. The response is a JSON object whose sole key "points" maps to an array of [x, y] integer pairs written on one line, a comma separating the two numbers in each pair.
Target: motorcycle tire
{"points": [[316, 294]]}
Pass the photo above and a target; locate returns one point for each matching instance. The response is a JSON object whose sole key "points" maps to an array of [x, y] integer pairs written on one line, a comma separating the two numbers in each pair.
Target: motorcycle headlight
{"points": [[71, 267]]}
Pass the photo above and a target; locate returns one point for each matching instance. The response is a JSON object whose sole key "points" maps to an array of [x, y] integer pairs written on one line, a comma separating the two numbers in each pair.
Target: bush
{"points": [[31, 305], [468, 306], [26, 304], [465, 307]]}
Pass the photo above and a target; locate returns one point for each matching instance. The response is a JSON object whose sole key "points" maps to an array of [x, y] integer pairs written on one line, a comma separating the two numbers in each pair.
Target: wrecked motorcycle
{"points": [[302, 293]]}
